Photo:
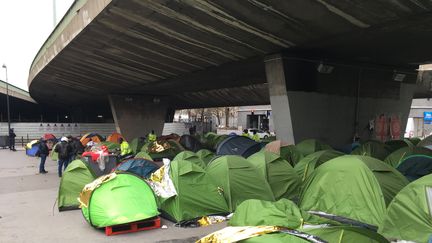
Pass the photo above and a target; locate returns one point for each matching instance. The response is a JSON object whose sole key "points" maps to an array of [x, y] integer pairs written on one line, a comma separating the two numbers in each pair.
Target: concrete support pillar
{"points": [[136, 116], [275, 73]]}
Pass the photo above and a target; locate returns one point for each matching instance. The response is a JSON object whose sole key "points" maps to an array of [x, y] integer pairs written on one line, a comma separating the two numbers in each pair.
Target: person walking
{"points": [[12, 136], [63, 149], [43, 152]]}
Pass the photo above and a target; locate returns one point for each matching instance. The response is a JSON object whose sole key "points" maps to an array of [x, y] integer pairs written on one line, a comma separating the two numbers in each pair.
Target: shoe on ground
{"points": [[44, 172]]}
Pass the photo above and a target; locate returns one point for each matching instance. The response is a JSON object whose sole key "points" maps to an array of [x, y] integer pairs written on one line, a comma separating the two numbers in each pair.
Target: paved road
{"points": [[28, 214]]}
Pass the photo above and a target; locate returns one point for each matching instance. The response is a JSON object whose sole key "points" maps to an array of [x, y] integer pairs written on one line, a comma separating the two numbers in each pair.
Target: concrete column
{"points": [[275, 74], [136, 116]]}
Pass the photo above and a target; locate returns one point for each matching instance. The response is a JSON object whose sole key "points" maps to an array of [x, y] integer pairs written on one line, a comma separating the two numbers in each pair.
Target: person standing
{"points": [[152, 136], [63, 149], [12, 136], [245, 133], [256, 137], [124, 148], [43, 154]]}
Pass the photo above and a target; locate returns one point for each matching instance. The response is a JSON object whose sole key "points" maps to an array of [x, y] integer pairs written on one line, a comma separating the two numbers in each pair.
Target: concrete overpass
{"points": [[326, 66]]}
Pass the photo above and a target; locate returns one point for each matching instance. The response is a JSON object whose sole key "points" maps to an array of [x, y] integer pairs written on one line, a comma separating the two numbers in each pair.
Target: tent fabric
{"points": [[114, 137], [53, 153], [112, 147], [238, 145], [395, 158], [73, 180], [344, 186], [389, 179], [143, 155], [124, 199], [275, 238], [373, 149], [136, 144], [190, 143], [413, 140], [91, 137], [32, 148], [346, 234], [239, 180], [253, 212], [140, 167], [394, 145], [409, 215], [427, 141], [169, 149], [205, 155], [415, 166], [288, 152], [309, 146], [280, 175], [307, 165], [191, 157], [197, 195]]}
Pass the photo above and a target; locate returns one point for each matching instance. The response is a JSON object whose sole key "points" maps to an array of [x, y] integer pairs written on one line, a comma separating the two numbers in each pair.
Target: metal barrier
{"points": [[4, 141]]}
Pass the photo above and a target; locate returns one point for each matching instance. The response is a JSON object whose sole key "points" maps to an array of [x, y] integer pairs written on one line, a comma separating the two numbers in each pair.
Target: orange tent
{"points": [[114, 137], [91, 137]]}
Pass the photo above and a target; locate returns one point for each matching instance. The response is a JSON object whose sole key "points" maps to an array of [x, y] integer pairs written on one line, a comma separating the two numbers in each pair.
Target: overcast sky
{"points": [[24, 27]]}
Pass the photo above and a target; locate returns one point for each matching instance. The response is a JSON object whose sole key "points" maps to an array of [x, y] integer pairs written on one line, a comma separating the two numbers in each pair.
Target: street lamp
{"points": [[7, 97]]}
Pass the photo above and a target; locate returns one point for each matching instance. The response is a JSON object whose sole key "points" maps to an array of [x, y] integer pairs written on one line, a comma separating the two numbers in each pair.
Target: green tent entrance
{"points": [[197, 195], [117, 199], [239, 180], [74, 178], [409, 215]]}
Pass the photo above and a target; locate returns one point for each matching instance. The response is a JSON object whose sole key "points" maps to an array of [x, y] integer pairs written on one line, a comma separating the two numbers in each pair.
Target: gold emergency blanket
{"points": [[86, 192], [234, 234]]}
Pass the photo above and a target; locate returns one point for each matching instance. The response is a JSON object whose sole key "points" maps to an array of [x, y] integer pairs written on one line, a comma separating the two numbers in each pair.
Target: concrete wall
{"points": [[331, 118]]}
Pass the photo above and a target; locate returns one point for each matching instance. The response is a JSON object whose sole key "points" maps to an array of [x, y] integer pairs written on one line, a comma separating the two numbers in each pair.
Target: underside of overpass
{"points": [[194, 53]]}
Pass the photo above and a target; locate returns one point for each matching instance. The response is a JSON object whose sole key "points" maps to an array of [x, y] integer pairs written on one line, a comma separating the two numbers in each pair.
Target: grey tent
{"points": [[190, 143]]}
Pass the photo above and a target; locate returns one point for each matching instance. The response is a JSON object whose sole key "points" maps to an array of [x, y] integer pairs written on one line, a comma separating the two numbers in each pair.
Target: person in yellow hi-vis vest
{"points": [[152, 136], [124, 147], [256, 137], [245, 133]]}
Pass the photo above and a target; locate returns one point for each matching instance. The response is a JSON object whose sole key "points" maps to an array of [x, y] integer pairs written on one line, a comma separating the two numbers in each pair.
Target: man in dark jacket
{"points": [[42, 153], [12, 136], [63, 150], [76, 147]]}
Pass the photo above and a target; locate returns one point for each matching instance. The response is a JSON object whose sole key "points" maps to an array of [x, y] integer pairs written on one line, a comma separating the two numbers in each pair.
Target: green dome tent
{"points": [[197, 196], [399, 155], [394, 145], [117, 199], [239, 180], [143, 155], [287, 152], [74, 178], [414, 140], [427, 141], [280, 175], [205, 155], [285, 213], [309, 146], [345, 187], [391, 181], [373, 149], [307, 165], [171, 149], [409, 214], [191, 157]]}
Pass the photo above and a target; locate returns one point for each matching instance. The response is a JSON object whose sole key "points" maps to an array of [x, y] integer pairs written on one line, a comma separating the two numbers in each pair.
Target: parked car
{"points": [[262, 134]]}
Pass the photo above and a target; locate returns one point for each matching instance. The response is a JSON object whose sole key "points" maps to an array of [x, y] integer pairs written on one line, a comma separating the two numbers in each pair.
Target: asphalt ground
{"points": [[28, 212]]}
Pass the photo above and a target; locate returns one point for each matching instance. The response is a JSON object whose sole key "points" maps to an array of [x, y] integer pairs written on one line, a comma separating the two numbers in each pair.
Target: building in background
{"points": [[420, 118]]}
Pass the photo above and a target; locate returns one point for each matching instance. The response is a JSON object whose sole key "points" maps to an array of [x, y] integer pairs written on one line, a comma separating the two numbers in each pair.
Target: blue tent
{"points": [[32, 148], [238, 145], [138, 166]]}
